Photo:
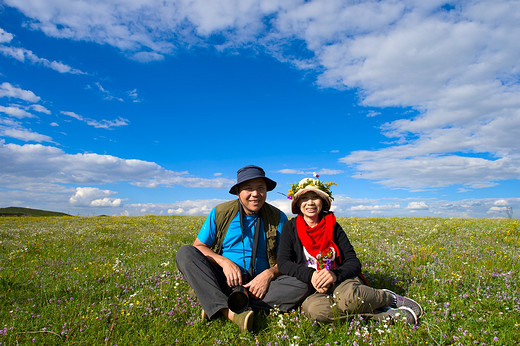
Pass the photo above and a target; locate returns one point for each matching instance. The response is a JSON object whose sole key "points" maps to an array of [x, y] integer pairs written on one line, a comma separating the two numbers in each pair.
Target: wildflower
{"points": [[325, 187], [327, 266]]}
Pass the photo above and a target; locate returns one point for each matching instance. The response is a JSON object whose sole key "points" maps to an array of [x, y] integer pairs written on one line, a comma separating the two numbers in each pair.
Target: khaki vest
{"points": [[224, 214]]}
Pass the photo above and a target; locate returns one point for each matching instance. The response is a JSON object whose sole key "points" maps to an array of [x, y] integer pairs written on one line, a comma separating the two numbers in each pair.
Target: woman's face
{"points": [[310, 204]]}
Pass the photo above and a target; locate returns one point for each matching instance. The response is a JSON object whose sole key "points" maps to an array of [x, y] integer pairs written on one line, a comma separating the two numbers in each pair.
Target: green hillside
{"points": [[16, 211]]}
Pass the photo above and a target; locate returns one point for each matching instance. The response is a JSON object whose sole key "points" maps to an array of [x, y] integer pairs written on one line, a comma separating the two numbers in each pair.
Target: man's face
{"points": [[252, 194]]}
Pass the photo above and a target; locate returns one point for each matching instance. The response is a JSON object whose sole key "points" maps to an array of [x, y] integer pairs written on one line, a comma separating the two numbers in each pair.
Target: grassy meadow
{"points": [[113, 281]]}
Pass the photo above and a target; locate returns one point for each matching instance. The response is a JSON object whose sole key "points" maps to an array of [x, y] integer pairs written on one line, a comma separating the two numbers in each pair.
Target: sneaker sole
{"points": [[411, 311], [410, 299]]}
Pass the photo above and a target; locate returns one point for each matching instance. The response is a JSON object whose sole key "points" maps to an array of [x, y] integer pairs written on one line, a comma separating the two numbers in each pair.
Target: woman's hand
{"points": [[322, 280]]}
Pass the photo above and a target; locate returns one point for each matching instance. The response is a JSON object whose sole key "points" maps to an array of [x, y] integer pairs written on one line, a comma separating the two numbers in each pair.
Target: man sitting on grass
{"points": [[226, 254]]}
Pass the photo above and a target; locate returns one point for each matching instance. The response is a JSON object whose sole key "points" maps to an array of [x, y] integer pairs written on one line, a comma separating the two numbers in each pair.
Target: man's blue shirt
{"points": [[232, 247]]}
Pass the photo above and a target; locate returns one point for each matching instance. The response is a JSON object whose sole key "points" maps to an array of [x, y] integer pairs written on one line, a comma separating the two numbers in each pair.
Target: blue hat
{"points": [[248, 173]]}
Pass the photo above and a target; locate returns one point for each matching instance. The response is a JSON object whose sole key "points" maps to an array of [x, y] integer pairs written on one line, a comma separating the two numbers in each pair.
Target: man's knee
{"points": [[297, 287], [288, 286], [185, 256]]}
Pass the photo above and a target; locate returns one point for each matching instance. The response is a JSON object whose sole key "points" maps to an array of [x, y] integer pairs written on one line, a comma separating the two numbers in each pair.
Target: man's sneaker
{"points": [[244, 320], [204, 316], [399, 301], [404, 314]]}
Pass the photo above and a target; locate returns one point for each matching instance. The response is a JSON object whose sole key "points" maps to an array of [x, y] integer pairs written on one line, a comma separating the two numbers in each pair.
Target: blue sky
{"points": [[149, 107]]}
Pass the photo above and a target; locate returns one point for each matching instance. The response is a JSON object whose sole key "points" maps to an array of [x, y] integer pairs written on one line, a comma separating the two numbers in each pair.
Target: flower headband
{"points": [[312, 182]]}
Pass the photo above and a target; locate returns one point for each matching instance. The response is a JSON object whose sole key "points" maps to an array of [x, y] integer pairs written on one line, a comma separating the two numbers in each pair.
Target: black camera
{"points": [[238, 300]]}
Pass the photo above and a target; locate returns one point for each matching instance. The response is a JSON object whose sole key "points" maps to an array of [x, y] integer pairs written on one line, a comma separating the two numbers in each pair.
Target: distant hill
{"points": [[16, 211]]}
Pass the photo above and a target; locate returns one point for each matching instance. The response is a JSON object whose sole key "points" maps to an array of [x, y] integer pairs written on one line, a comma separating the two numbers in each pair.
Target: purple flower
{"points": [[328, 265]]}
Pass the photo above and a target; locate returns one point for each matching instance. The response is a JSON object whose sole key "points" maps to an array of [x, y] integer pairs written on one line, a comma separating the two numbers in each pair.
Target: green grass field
{"points": [[113, 281]]}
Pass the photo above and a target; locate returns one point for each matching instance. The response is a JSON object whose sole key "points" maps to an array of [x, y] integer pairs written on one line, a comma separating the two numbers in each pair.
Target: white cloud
{"points": [[5, 37], [16, 112], [169, 179], [39, 163], [147, 56], [291, 171], [41, 109], [100, 124], [73, 115], [106, 202], [372, 114], [327, 171], [310, 172], [107, 94], [163, 26], [501, 203], [456, 68], [501, 211], [458, 71], [35, 195], [343, 206], [417, 206], [24, 135], [107, 124], [14, 128], [396, 167], [188, 207], [177, 211], [8, 90], [282, 204], [375, 207], [388, 207], [86, 196], [9, 122], [23, 55], [134, 95]]}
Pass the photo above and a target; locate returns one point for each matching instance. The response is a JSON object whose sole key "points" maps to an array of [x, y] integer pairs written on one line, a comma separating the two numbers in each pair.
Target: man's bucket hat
{"points": [[248, 173]]}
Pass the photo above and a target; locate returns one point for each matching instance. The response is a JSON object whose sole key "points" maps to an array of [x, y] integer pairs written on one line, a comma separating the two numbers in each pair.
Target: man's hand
{"points": [[231, 270], [260, 284], [322, 280]]}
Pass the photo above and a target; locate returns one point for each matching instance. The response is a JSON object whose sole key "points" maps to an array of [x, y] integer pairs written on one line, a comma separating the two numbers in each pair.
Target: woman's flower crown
{"points": [[315, 182]]}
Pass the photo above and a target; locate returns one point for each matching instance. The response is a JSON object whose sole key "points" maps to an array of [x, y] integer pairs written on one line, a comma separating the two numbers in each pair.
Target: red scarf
{"points": [[318, 240]]}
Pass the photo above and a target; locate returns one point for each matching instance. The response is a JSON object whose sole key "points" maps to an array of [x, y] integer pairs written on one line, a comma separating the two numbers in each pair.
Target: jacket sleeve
{"points": [[290, 255], [350, 265]]}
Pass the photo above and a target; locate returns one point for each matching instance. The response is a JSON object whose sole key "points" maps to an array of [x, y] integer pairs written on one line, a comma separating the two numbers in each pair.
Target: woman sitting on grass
{"points": [[315, 249]]}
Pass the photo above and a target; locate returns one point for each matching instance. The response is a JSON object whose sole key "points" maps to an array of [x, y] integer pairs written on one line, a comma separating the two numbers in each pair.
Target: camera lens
{"points": [[238, 300]]}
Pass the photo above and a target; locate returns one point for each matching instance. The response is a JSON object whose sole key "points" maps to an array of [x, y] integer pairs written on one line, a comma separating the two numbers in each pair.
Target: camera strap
{"points": [[256, 236]]}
